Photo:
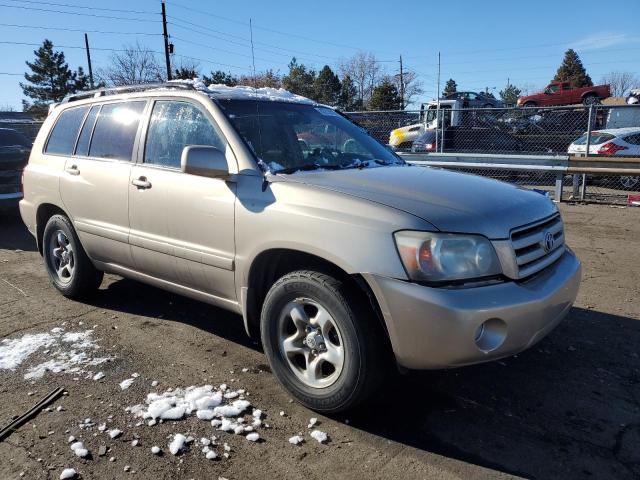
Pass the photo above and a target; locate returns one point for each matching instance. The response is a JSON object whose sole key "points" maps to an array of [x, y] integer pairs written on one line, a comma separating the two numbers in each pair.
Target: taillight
{"points": [[22, 183], [611, 149]]}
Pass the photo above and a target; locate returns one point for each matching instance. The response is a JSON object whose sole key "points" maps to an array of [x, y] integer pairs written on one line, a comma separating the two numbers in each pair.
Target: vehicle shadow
{"points": [[135, 298], [567, 408], [13, 233]]}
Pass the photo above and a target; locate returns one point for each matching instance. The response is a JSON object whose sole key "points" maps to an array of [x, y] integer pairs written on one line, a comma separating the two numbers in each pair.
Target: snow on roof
{"points": [[244, 92]]}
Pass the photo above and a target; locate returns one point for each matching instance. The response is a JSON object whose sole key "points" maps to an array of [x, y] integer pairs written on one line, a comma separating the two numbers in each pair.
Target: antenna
{"points": [[253, 57], [255, 89]]}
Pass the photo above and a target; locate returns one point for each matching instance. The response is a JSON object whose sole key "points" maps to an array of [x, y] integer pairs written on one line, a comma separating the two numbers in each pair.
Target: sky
{"points": [[481, 45]]}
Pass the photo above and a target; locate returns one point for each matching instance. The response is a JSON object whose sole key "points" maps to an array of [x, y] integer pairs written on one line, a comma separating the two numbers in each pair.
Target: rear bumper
{"points": [[434, 328]]}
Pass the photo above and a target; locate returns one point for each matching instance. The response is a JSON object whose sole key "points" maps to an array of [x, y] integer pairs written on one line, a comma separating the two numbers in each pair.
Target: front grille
{"points": [[533, 247]]}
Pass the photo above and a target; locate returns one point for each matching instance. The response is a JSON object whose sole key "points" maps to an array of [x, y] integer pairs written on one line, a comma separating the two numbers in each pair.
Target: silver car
{"points": [[340, 257]]}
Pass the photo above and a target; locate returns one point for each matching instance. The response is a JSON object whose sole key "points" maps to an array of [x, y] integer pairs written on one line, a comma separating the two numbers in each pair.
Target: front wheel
{"points": [[323, 342], [530, 105], [67, 264]]}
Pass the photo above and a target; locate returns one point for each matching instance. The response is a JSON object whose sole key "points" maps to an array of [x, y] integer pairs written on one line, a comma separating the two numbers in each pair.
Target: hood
{"points": [[452, 202]]}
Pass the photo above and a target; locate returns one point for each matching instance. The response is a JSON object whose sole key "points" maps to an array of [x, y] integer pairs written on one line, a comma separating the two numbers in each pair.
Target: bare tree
{"points": [[364, 70], [620, 82], [412, 86], [133, 65]]}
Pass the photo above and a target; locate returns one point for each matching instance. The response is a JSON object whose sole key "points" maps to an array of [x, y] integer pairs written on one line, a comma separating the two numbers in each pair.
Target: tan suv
{"points": [[337, 254]]}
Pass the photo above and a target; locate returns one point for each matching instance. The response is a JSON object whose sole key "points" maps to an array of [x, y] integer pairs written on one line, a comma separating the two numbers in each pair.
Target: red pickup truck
{"points": [[561, 93]]}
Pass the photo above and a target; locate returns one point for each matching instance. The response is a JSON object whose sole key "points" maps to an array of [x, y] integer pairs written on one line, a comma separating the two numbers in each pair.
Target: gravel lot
{"points": [[568, 408]]}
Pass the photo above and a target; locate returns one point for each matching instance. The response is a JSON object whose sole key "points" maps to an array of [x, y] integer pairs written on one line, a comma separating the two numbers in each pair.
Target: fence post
{"points": [[583, 189], [558, 194]]}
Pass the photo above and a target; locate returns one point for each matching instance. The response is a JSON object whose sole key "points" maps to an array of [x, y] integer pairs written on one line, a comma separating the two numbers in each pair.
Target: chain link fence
{"points": [[499, 131], [540, 131]]}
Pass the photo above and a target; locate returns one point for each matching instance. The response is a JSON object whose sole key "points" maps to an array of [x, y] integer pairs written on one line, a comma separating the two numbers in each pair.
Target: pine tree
{"points": [[327, 87], [220, 78], [450, 87], [185, 73], [299, 80], [510, 94], [384, 97], [347, 98], [571, 70], [50, 79]]}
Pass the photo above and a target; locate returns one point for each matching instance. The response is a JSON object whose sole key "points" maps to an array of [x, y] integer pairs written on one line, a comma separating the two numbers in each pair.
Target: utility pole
{"points": [[401, 85], [438, 98], [166, 40], [86, 44]]}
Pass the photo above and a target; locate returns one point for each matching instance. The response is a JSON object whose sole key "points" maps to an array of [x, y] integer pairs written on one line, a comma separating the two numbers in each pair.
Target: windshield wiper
{"points": [[301, 168]]}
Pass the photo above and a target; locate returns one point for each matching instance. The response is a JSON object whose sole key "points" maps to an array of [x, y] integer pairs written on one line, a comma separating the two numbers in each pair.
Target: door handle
{"points": [[72, 170], [141, 183]]}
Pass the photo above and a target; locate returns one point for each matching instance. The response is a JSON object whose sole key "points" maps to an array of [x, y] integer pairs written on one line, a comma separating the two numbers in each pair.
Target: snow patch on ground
{"points": [[205, 402], [68, 473], [319, 436], [70, 352], [296, 439]]}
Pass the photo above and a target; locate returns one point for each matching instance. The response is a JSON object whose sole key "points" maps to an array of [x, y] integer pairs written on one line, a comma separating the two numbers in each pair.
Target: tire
{"points": [[530, 105], [590, 99], [487, 105], [344, 322], [67, 264], [629, 182]]}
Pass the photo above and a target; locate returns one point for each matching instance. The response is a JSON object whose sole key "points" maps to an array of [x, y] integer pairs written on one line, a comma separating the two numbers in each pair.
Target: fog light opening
{"points": [[490, 334]]}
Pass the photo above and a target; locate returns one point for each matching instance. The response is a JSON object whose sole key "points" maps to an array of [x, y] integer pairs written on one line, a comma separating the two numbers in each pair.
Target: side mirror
{"points": [[204, 161]]}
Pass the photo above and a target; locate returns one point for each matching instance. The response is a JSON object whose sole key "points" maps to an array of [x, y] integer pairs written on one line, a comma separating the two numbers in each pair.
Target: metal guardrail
{"points": [[545, 173]]}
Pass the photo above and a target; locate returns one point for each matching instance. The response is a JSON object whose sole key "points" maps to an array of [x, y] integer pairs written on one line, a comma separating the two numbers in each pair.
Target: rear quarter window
{"points": [[633, 139], [115, 130], [64, 133]]}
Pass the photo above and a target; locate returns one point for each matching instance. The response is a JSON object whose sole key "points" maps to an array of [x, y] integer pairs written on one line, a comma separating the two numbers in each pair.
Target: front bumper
{"points": [[434, 328]]}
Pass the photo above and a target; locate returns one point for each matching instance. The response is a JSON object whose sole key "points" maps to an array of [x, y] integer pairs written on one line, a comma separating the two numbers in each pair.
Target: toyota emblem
{"points": [[548, 242]]}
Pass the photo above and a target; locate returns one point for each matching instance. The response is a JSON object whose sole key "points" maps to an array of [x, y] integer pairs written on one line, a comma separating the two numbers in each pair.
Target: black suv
{"points": [[14, 154]]}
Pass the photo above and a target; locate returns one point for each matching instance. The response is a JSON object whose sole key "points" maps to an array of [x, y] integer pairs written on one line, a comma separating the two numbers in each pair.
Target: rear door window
{"points": [[65, 132], [173, 126], [85, 134], [115, 130], [596, 138]]}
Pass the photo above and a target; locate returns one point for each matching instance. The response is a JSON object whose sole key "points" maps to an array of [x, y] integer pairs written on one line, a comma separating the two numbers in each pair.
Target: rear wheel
{"points": [[67, 264], [322, 341], [630, 182], [590, 99]]}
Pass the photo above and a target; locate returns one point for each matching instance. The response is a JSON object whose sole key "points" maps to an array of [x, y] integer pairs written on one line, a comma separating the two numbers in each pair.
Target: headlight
{"points": [[438, 257]]}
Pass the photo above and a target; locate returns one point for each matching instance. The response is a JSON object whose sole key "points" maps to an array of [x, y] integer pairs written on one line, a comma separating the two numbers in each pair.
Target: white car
{"points": [[610, 142]]}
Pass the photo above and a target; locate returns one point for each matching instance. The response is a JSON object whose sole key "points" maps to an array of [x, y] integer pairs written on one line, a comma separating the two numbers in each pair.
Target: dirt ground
{"points": [[567, 408]]}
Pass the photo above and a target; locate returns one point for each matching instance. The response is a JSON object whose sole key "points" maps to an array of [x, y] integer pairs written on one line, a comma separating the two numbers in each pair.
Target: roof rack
{"points": [[102, 92]]}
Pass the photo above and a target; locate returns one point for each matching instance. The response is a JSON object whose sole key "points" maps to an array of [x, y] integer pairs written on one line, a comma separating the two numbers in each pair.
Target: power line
{"points": [[279, 32], [85, 7], [77, 13], [204, 27], [62, 29], [6, 42], [10, 73]]}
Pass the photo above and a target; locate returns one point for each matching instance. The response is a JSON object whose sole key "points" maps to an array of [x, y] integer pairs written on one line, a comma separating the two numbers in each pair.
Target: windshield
{"points": [[290, 136], [596, 138]]}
